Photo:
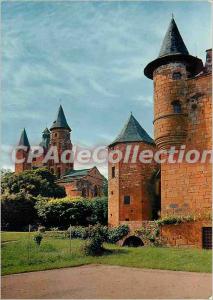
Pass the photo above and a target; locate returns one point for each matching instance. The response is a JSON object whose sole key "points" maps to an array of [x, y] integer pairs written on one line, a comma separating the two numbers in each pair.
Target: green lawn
{"points": [[55, 253]]}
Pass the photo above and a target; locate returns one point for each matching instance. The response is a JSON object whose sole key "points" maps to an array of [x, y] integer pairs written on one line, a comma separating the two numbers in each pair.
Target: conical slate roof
{"points": [[45, 138], [173, 42], [46, 131], [24, 139], [173, 49], [132, 132], [60, 121]]}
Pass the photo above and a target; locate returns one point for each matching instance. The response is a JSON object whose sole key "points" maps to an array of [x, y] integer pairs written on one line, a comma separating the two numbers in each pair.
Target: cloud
{"points": [[90, 56]]}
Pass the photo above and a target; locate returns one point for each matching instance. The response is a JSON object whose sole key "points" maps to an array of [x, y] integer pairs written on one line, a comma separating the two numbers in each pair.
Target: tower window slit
{"points": [[176, 107]]}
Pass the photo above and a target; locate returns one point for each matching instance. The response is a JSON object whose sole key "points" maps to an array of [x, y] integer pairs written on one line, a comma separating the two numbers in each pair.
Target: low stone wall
{"points": [[184, 235]]}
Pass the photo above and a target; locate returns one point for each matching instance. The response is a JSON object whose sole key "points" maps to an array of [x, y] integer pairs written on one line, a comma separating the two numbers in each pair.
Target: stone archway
{"points": [[133, 241]]}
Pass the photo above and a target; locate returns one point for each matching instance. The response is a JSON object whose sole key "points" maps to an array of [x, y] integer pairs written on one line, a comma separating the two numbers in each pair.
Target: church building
{"points": [[78, 183]]}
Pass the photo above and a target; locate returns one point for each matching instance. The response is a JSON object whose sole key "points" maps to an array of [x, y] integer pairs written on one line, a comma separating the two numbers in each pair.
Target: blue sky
{"points": [[88, 56]]}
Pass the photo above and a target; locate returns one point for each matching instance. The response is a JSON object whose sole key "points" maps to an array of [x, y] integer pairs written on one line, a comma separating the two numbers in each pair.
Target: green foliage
{"points": [[105, 187], [174, 220], [110, 235], [63, 212], [150, 234], [117, 233], [54, 253], [17, 211], [34, 182], [38, 238], [93, 246]]}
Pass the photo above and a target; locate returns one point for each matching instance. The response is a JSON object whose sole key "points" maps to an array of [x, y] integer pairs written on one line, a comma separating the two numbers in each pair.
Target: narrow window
{"points": [[113, 172], [176, 76], [207, 237], [176, 107], [126, 200], [111, 192]]}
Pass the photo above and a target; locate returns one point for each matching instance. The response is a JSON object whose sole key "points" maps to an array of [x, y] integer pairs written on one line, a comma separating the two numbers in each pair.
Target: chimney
{"points": [[208, 64]]}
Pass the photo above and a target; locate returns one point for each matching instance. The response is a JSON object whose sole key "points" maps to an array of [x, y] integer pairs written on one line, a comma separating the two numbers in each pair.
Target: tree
{"points": [[34, 182], [17, 211], [105, 187]]}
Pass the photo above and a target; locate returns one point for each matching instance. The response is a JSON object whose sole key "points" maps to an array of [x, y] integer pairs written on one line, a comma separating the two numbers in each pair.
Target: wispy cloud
{"points": [[90, 57]]}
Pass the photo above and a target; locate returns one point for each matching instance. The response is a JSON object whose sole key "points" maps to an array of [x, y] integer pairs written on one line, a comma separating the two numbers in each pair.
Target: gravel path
{"points": [[103, 281]]}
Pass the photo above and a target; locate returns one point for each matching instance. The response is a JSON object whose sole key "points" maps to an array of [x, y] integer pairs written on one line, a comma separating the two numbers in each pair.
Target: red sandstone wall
{"points": [[130, 179], [185, 234]]}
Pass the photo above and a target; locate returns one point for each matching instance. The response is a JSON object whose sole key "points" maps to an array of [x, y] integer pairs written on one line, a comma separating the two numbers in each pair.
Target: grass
{"points": [[54, 252]]}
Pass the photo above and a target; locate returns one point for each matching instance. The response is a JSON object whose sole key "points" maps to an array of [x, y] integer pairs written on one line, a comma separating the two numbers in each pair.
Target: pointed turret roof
{"points": [[24, 139], [132, 132], [173, 49], [45, 138], [173, 42], [60, 121], [46, 131]]}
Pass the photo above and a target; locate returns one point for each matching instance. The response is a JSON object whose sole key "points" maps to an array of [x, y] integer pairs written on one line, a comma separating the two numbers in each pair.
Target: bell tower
{"points": [[22, 154], [170, 72], [60, 137]]}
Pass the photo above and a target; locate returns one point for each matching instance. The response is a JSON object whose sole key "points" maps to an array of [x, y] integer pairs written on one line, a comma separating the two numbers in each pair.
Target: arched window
{"points": [[95, 193], [176, 106]]}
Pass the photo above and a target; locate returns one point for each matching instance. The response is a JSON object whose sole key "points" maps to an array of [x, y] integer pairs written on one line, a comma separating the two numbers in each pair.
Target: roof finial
{"points": [[172, 16]]}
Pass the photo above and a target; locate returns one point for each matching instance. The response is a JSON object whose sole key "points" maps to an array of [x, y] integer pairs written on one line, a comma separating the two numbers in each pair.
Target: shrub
{"points": [[78, 212], [17, 211], [117, 233], [38, 238], [168, 220], [78, 232], [93, 246]]}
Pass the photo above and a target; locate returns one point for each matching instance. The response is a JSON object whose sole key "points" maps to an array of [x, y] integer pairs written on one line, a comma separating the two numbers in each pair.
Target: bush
{"points": [[93, 246], [17, 211], [117, 233], [78, 232], [79, 212], [168, 220], [38, 238]]}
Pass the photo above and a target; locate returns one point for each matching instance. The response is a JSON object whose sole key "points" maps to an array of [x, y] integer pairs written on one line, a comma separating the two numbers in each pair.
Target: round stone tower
{"points": [[169, 73]]}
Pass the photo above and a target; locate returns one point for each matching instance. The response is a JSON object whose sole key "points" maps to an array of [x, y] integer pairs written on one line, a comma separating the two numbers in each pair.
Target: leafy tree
{"points": [[105, 187], [17, 211], [34, 182]]}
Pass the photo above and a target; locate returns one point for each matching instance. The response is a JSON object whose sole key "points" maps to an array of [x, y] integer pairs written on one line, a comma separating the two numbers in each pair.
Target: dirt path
{"points": [[101, 281]]}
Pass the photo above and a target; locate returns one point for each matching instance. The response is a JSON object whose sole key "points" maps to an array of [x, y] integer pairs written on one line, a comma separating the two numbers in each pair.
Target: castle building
{"points": [[182, 119], [77, 183]]}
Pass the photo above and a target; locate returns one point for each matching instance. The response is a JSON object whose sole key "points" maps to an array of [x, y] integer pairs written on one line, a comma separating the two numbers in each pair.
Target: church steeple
{"points": [[24, 139], [60, 121], [45, 138], [173, 49]]}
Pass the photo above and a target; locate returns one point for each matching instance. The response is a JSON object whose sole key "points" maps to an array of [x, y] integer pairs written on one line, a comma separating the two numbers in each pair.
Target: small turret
{"points": [[21, 163], [129, 200]]}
